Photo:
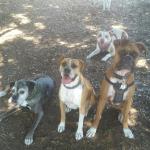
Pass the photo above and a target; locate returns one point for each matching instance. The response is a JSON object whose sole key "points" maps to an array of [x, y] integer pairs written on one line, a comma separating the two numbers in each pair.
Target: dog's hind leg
{"points": [[29, 137], [125, 112]]}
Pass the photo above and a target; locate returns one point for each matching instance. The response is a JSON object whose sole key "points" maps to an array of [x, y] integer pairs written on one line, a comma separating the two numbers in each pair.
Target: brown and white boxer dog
{"points": [[118, 86], [75, 92], [105, 42]]}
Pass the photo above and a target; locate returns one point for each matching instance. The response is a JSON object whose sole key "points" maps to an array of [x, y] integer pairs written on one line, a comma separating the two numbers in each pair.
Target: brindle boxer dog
{"points": [[118, 86]]}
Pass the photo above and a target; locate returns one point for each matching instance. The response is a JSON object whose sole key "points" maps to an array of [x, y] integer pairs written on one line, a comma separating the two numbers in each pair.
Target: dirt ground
{"points": [[34, 34]]}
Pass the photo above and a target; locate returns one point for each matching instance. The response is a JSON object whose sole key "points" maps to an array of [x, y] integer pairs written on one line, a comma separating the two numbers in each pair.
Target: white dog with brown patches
{"points": [[75, 92], [105, 42]]}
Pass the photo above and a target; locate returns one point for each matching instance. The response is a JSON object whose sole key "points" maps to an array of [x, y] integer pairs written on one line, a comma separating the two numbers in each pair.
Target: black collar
{"points": [[73, 87], [114, 84], [119, 76]]}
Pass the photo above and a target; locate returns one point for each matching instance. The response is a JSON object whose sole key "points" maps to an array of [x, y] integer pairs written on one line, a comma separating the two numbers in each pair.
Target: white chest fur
{"points": [[111, 91], [71, 97]]}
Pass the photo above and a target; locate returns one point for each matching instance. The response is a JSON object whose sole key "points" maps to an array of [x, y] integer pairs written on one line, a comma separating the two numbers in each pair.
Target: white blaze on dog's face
{"points": [[103, 39], [70, 69], [20, 93]]}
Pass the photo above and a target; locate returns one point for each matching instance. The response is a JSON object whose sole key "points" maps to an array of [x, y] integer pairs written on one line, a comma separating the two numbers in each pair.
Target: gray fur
{"points": [[33, 94]]}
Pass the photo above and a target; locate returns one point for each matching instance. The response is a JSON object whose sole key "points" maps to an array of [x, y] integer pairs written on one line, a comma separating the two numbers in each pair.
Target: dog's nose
{"points": [[67, 70], [14, 97]]}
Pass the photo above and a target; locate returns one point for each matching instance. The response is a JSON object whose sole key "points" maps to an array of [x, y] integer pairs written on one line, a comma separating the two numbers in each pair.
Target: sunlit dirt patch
{"points": [[10, 36], [22, 18], [39, 26], [142, 63]]}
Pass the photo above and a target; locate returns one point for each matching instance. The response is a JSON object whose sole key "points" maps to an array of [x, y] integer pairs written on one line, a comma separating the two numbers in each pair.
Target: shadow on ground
{"points": [[34, 34]]}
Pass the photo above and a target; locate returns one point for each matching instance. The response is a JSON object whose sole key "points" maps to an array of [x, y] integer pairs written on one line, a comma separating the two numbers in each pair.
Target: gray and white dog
{"points": [[32, 94]]}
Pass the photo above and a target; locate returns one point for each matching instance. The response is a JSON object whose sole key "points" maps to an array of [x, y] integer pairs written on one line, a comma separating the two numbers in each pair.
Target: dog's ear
{"points": [[124, 36], [141, 47], [30, 85], [117, 42], [111, 33], [61, 58], [82, 64], [11, 84]]}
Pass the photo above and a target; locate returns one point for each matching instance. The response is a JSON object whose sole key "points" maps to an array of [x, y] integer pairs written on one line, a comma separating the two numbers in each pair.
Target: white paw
{"points": [[61, 127], [79, 135], [67, 109], [28, 140], [91, 132], [88, 57], [128, 133], [104, 59]]}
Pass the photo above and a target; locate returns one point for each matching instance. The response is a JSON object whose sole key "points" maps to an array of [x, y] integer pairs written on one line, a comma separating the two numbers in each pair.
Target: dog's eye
{"points": [[21, 92], [64, 64], [73, 65]]}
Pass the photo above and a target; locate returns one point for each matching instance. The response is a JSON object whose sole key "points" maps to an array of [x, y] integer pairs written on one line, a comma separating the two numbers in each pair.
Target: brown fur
{"points": [[88, 95], [124, 107]]}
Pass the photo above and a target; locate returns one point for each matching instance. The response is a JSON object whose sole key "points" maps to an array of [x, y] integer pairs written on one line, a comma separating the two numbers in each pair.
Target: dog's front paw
{"points": [[128, 133], [79, 135], [91, 132], [61, 127], [28, 139], [88, 57], [104, 59]]}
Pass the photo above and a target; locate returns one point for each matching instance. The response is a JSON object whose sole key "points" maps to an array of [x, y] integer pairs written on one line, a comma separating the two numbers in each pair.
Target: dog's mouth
{"points": [[103, 45], [67, 79]]}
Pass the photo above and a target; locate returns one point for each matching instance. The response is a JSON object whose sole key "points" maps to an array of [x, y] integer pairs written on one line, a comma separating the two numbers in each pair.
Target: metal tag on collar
{"points": [[123, 85], [117, 85]]}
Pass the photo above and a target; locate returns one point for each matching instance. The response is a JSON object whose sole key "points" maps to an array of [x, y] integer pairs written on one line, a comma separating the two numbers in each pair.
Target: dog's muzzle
{"points": [[66, 71], [126, 62], [14, 98]]}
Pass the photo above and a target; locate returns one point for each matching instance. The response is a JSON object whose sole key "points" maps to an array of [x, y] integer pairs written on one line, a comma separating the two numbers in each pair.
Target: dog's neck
{"points": [[35, 92], [75, 83]]}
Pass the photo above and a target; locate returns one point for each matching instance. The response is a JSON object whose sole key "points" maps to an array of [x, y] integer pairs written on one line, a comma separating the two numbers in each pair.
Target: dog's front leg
{"points": [[100, 107], [79, 132], [29, 136], [125, 112], [107, 56], [61, 126], [111, 53], [95, 52]]}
